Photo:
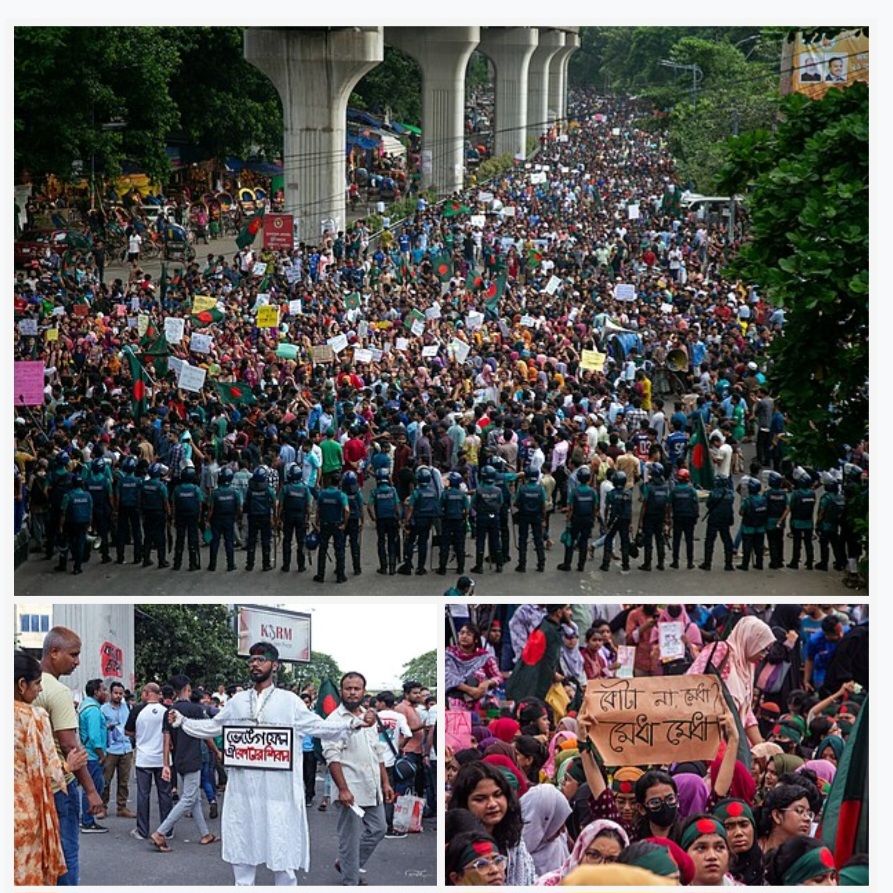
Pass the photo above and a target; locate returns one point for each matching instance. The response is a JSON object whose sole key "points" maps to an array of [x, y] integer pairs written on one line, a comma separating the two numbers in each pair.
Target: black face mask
{"points": [[663, 816], [765, 725], [674, 611]]}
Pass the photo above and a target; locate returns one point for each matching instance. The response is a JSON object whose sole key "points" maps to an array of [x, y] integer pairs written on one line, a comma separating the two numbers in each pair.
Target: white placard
{"points": [[200, 343], [615, 131], [667, 308], [537, 178], [547, 168], [258, 269], [191, 378], [478, 220], [362, 329], [670, 640], [624, 292], [259, 747], [485, 198], [338, 343], [563, 138], [508, 211], [433, 312], [632, 212], [460, 350], [552, 285], [528, 321], [58, 311], [377, 354], [174, 328], [295, 307], [626, 657], [142, 324], [402, 344], [418, 328], [176, 364], [292, 275], [504, 330], [474, 320], [28, 327], [429, 350], [362, 355], [135, 304]]}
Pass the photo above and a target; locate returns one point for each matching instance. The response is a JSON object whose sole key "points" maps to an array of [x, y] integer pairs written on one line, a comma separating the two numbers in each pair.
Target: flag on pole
{"points": [[206, 317], [443, 266], [452, 208], [236, 393], [701, 463], [494, 292], [249, 231], [159, 350], [138, 402], [352, 301], [474, 281]]}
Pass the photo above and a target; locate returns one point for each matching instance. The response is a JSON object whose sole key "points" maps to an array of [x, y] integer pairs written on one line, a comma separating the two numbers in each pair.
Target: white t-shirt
{"points": [[396, 726], [133, 243], [149, 738]]}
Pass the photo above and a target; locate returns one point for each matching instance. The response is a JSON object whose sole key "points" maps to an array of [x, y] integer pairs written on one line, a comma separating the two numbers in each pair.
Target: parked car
{"points": [[32, 244]]}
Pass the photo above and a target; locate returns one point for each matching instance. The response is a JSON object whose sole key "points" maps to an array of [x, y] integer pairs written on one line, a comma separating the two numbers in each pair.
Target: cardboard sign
{"points": [[362, 355], [200, 343], [402, 344], [52, 335], [508, 211], [362, 328], [176, 364], [258, 269], [287, 351], [666, 308], [626, 657], [292, 275], [670, 642], [460, 350], [377, 354], [267, 317], [552, 285], [80, 310], [258, 747], [653, 719], [478, 220], [474, 320], [418, 328], [27, 327], [528, 321], [632, 212], [338, 343], [174, 329], [624, 292], [433, 312], [322, 353], [295, 307], [191, 378], [536, 179], [429, 350], [504, 330], [485, 198], [593, 360], [28, 376], [458, 730], [203, 302], [142, 324]]}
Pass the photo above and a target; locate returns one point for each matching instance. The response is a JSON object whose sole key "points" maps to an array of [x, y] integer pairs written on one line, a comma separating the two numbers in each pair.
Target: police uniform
{"points": [[99, 486], [531, 504], [776, 502], [720, 517], [684, 508], [425, 510], [259, 503], [753, 529], [384, 502], [802, 509], [583, 503], [487, 505], [294, 506], [454, 513], [331, 504], [503, 479], [654, 512], [187, 502], [619, 514], [129, 487], [59, 485], [226, 504], [153, 502], [831, 509], [354, 528], [76, 510]]}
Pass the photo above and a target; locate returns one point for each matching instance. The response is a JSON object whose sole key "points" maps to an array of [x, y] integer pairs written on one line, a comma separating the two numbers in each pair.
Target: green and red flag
{"points": [[453, 207], [138, 402], [474, 281], [443, 266], [236, 393], [534, 258], [494, 291], [249, 231], [352, 301], [159, 350], [206, 317], [700, 462], [534, 672], [845, 817], [327, 698]]}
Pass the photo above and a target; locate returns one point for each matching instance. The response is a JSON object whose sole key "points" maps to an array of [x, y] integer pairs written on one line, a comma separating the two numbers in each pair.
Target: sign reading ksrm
{"points": [[289, 631]]}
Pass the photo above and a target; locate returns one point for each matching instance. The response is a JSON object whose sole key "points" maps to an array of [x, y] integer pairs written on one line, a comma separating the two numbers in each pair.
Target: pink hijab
{"points": [[575, 859]]}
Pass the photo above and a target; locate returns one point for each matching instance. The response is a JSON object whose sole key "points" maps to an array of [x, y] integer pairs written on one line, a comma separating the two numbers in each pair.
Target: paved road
{"points": [[117, 859]]}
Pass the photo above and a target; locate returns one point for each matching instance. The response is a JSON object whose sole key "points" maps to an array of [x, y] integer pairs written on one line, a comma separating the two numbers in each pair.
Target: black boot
{"points": [[405, 569], [478, 563], [212, 564], [521, 567], [382, 570], [441, 570], [195, 561], [568, 557]]}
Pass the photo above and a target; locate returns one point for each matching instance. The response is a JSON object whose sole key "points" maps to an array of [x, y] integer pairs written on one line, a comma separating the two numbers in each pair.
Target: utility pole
{"points": [[696, 74]]}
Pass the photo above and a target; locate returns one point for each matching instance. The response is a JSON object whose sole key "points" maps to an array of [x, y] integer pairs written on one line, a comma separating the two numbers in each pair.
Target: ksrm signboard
{"points": [[289, 631]]}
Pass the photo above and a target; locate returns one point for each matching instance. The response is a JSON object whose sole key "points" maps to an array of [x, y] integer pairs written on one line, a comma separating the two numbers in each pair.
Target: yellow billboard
{"points": [[822, 62]]}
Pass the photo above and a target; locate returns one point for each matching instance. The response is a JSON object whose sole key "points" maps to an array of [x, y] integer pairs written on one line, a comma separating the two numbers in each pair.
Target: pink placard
{"points": [[458, 730], [28, 383]]}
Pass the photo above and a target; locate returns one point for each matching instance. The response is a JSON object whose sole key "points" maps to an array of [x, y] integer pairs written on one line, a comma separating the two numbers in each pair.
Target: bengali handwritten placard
{"points": [[174, 329], [203, 302], [592, 360], [28, 327], [552, 285], [418, 328], [259, 747], [624, 292], [429, 350], [402, 344], [458, 730], [460, 350], [267, 317], [338, 343], [29, 382], [295, 307], [191, 378], [200, 343], [362, 355], [653, 719], [322, 353]]}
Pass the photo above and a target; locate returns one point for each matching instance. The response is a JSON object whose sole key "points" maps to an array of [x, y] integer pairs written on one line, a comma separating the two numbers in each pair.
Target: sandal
{"points": [[160, 842], [209, 838], [324, 805]]}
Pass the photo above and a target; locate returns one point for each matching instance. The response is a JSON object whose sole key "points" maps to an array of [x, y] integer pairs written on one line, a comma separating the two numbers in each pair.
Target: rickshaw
{"points": [[247, 201], [229, 214], [260, 197], [198, 220], [177, 245]]}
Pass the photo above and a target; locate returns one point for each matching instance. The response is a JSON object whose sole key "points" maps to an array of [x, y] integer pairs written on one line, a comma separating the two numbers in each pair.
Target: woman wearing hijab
{"points": [[599, 843], [830, 749], [824, 770], [505, 728], [735, 660], [746, 864], [471, 671], [693, 792], [760, 754], [778, 765], [545, 810], [509, 769]]}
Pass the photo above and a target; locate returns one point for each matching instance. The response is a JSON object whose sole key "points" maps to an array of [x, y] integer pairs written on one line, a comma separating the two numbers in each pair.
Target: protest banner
{"points": [[295, 307], [653, 719], [200, 343], [287, 351], [27, 327], [203, 302], [624, 292], [362, 355], [460, 350], [429, 350], [593, 360], [458, 730], [191, 378], [338, 343], [279, 232], [174, 329], [267, 317], [322, 353], [258, 747], [28, 378], [52, 335]]}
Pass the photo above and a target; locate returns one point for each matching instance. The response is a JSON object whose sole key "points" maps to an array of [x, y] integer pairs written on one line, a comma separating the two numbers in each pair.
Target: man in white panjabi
{"points": [[264, 818]]}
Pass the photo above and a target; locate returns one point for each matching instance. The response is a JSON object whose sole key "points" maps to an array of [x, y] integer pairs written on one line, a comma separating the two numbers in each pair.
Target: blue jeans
{"points": [[94, 767], [208, 778], [68, 808]]}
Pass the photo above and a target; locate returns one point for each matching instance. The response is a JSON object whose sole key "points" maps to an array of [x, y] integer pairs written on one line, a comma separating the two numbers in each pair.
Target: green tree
{"points": [[395, 85], [808, 250], [321, 666], [422, 669], [198, 640]]}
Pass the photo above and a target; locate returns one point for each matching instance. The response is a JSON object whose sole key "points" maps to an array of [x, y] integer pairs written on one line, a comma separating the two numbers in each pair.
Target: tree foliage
{"points": [[198, 640], [422, 669], [321, 666], [395, 85], [808, 206]]}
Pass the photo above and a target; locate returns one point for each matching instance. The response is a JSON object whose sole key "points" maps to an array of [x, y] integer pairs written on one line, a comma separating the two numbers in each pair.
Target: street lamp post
{"points": [[696, 74]]}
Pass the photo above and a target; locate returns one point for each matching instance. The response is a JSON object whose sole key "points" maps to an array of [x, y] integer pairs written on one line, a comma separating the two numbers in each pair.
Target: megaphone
{"points": [[611, 328], [677, 359]]}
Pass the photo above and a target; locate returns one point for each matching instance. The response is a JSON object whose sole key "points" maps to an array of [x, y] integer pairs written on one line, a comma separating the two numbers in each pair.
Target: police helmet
{"points": [[155, 470], [294, 473], [311, 541], [774, 479], [532, 474], [488, 474], [497, 463], [683, 475], [423, 476], [831, 486], [187, 475], [657, 471], [77, 477], [349, 482], [259, 475], [455, 479], [754, 486], [62, 459], [853, 472], [97, 466], [382, 476], [803, 479], [584, 474], [619, 479], [129, 464], [225, 477]]}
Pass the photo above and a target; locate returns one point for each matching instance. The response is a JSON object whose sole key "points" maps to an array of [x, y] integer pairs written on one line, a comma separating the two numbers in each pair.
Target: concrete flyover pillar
{"points": [[442, 54], [314, 71], [558, 74], [510, 49], [550, 43]]}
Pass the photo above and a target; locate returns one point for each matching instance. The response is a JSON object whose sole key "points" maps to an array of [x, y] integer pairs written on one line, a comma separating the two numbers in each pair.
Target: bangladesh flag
{"points": [[139, 404], [534, 258], [700, 462], [206, 317], [352, 301], [327, 699], [443, 266], [249, 231], [159, 350], [236, 393], [494, 292], [535, 669], [474, 281], [845, 822], [452, 208]]}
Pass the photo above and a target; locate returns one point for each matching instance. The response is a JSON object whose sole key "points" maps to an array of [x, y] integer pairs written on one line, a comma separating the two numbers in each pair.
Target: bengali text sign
{"points": [[258, 747]]}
